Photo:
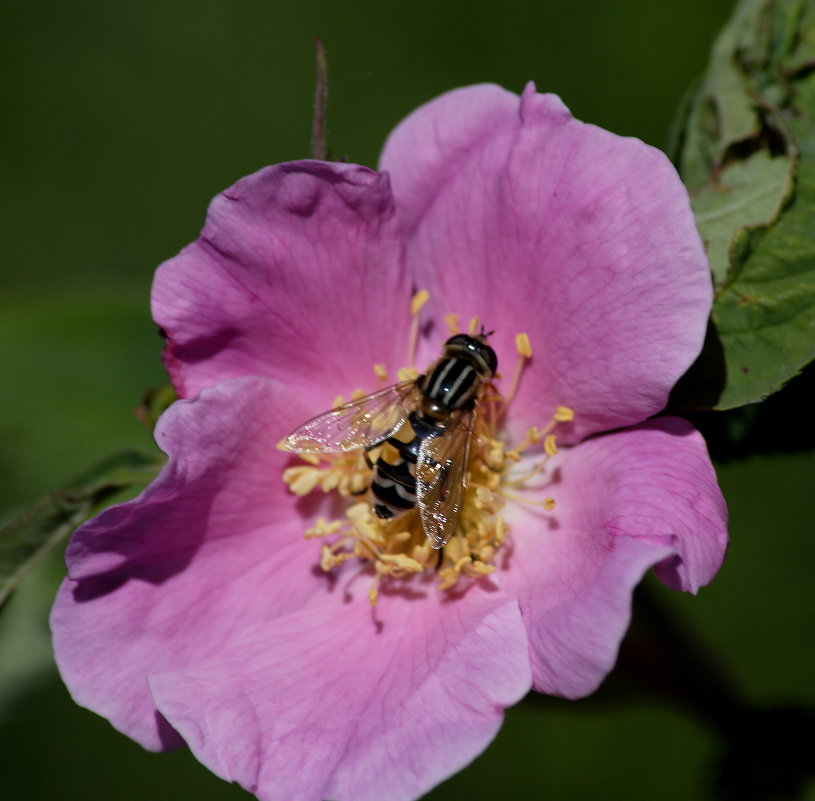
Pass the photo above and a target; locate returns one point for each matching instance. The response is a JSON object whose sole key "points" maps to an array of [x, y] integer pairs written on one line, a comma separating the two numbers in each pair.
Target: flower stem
{"points": [[320, 102]]}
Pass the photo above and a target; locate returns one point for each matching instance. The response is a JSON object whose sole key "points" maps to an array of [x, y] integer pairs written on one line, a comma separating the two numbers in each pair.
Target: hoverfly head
{"points": [[474, 349]]}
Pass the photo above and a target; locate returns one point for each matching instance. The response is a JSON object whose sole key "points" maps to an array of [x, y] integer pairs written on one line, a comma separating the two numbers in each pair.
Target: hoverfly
{"points": [[425, 426]]}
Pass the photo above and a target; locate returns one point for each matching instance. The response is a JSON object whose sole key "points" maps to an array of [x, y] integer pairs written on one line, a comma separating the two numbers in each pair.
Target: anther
{"points": [[327, 560], [419, 300], [524, 348], [373, 591], [416, 303], [523, 345], [407, 374]]}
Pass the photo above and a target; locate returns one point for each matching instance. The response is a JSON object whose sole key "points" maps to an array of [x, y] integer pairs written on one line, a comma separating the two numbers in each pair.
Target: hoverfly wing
{"points": [[362, 423], [441, 479]]}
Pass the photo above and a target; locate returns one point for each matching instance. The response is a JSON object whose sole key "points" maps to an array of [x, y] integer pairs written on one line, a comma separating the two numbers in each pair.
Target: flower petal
{"points": [[298, 274], [214, 544], [344, 702], [625, 502], [518, 213]]}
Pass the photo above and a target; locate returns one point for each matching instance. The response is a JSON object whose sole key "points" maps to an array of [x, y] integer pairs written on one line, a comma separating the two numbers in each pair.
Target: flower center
{"points": [[397, 548]]}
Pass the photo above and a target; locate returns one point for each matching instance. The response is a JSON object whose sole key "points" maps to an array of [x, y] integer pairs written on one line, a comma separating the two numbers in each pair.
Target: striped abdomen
{"points": [[452, 383], [394, 480]]}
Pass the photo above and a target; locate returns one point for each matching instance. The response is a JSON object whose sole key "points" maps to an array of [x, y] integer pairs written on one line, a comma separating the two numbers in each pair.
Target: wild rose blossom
{"points": [[199, 614]]}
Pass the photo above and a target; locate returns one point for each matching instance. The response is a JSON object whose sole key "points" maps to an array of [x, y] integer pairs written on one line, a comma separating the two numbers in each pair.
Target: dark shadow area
{"points": [[87, 759], [761, 754], [783, 423], [768, 754], [203, 347], [703, 383]]}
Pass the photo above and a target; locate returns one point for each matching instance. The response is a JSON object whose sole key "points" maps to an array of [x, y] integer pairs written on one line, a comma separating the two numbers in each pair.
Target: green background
{"points": [[119, 123]]}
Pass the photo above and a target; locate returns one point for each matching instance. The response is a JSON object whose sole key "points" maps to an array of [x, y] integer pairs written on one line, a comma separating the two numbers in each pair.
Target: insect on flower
{"points": [[425, 427], [195, 614]]}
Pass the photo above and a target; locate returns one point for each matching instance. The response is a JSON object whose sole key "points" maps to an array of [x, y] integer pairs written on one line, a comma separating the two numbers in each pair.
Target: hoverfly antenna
{"points": [[484, 333]]}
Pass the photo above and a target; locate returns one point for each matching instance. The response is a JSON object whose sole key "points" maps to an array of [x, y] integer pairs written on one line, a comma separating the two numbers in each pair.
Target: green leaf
{"points": [[37, 530], [747, 194], [746, 150]]}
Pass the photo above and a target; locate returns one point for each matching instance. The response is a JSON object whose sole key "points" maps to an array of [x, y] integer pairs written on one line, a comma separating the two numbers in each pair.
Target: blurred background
{"points": [[120, 122]]}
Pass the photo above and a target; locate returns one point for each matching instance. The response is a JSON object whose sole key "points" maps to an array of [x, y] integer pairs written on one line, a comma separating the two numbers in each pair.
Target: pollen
{"points": [[407, 373], [344, 474], [394, 552]]}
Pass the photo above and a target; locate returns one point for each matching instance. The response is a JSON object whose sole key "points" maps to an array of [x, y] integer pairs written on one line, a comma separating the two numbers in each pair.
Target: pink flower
{"points": [[198, 614]]}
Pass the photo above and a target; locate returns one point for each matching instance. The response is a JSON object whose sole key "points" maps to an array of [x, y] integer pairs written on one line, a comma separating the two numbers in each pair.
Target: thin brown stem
{"points": [[318, 150]]}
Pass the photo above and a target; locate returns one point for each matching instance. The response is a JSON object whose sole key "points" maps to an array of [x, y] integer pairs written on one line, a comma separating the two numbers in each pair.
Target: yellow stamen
{"points": [[419, 300], [550, 445], [523, 345], [473, 327], [407, 373], [524, 348], [301, 480], [373, 592], [563, 414], [327, 561], [547, 503], [380, 371], [452, 324]]}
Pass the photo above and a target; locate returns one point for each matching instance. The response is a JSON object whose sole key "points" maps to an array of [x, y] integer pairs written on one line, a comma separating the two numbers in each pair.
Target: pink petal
{"points": [[625, 502], [213, 545], [516, 212], [344, 702], [298, 266]]}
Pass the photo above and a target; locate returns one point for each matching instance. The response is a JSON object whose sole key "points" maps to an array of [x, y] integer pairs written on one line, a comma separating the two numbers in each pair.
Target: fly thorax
{"points": [[452, 382]]}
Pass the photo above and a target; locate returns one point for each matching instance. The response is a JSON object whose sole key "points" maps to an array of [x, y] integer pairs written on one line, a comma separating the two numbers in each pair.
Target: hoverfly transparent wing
{"points": [[362, 423], [441, 478]]}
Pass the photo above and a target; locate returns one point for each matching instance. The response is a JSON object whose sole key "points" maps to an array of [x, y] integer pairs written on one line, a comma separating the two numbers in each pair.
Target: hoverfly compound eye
{"points": [[489, 357]]}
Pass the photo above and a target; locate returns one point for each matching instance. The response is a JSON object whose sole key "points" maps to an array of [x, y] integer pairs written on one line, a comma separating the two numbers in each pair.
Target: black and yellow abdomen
{"points": [[394, 481]]}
